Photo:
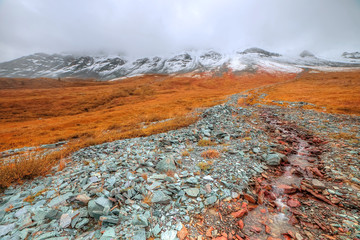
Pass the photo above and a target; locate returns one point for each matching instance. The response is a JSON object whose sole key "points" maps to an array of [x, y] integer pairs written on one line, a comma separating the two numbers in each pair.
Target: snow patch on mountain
{"points": [[115, 67]]}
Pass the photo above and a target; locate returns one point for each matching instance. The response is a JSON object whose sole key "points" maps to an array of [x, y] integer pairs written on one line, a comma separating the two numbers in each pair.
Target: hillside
{"points": [[221, 154], [112, 67]]}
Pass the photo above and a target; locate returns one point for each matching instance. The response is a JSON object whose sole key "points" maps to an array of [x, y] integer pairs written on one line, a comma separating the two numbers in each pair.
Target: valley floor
{"points": [[248, 168]]}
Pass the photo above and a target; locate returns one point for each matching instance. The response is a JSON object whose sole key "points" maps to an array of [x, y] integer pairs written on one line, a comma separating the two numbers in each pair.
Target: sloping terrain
{"points": [[240, 172], [219, 155], [112, 67]]}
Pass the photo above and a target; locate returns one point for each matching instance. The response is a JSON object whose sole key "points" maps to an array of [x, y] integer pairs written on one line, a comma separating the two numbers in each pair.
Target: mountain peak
{"points": [[352, 55], [261, 52], [306, 53]]}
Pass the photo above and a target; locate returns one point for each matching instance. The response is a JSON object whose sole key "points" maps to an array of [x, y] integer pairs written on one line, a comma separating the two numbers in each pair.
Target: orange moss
{"points": [[170, 173], [185, 154], [144, 176]]}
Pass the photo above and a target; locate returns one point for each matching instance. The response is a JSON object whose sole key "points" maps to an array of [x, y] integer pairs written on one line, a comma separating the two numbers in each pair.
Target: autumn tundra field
{"points": [[88, 112]]}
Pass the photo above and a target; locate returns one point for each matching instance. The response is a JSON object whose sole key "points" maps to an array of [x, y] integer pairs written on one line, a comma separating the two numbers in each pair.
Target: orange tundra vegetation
{"points": [[89, 112], [338, 92]]}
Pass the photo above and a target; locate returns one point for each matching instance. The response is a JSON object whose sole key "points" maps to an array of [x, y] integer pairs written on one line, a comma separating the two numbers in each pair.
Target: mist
{"points": [[159, 27]]}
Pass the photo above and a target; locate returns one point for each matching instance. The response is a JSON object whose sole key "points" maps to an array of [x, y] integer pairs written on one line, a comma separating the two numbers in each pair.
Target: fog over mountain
{"points": [[148, 28]]}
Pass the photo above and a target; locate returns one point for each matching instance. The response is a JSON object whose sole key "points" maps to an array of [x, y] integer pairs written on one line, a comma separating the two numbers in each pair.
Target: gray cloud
{"points": [[143, 27]]}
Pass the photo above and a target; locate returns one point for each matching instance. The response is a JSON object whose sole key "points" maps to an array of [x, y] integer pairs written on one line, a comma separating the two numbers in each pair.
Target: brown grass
{"points": [[26, 166], [147, 199], [338, 92], [86, 113], [62, 165], [211, 153], [205, 142]]}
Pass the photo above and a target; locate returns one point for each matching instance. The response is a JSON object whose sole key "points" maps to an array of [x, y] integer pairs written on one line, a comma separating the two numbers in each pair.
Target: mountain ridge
{"points": [[112, 67]]}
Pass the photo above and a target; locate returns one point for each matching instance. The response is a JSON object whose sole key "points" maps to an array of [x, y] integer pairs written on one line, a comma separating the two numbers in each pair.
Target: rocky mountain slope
{"points": [[111, 67], [255, 172]]}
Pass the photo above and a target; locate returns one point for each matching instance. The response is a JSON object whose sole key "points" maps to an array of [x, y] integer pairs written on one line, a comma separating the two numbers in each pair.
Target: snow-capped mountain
{"points": [[110, 67]]}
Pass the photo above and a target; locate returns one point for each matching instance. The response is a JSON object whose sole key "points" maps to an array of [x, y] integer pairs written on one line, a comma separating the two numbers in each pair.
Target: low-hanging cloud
{"points": [[143, 27]]}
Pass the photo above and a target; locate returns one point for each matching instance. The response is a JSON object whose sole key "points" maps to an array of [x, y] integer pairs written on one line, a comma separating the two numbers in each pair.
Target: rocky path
{"points": [[251, 172]]}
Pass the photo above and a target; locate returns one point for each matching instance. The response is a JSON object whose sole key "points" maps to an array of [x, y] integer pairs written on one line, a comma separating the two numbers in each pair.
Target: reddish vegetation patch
{"points": [[211, 153], [338, 92]]}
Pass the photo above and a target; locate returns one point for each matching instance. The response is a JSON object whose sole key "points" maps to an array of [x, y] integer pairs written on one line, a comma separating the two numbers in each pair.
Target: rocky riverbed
{"points": [[249, 172]]}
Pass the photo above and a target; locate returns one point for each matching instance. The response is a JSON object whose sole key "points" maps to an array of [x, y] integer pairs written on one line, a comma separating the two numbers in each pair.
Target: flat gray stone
{"points": [[210, 200], [109, 234], [166, 165], [274, 159], [99, 207], [59, 200], [53, 214], [5, 229], [169, 235], [82, 223], [192, 180], [192, 192], [156, 230], [104, 202], [20, 213], [140, 221], [160, 197], [83, 198], [140, 234], [47, 235], [109, 219]]}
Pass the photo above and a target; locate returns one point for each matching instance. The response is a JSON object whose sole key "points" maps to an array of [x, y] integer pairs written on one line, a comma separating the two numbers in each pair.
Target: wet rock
{"points": [[250, 198], [210, 200], [317, 184], [274, 159], [286, 188], [293, 203]]}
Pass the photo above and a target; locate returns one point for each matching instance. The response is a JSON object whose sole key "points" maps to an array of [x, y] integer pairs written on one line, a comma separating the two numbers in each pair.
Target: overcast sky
{"points": [[157, 27]]}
